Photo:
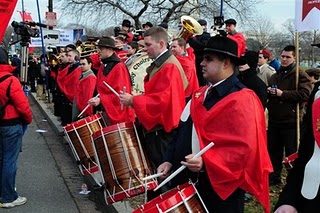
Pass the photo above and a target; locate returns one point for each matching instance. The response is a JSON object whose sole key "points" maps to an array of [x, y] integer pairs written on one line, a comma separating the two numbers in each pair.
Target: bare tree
{"points": [[261, 30], [111, 11]]}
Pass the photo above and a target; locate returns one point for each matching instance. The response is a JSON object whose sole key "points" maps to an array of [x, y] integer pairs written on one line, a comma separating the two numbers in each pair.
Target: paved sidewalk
{"points": [[72, 176]]}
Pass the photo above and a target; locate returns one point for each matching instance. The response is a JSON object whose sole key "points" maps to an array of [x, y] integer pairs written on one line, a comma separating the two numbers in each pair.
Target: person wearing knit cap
{"points": [[147, 26], [248, 76], [17, 114], [265, 71]]}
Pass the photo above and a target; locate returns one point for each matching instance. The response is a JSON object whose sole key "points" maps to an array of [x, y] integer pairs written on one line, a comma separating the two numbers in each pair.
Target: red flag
{"points": [[6, 10], [25, 16], [308, 5]]}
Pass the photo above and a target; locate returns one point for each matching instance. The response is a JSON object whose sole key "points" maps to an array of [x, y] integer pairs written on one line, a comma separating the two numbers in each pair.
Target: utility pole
{"points": [[50, 9]]}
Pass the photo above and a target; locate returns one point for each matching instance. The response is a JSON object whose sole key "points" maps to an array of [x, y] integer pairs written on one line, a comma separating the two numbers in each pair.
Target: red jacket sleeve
{"points": [[84, 92], [163, 100], [241, 41]]}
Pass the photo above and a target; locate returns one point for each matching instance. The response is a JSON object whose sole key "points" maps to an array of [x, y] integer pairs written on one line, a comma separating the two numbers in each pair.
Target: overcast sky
{"points": [[277, 10]]}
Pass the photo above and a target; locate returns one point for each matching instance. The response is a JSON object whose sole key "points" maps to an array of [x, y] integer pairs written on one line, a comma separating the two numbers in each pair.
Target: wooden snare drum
{"points": [[79, 138], [183, 199], [122, 162]]}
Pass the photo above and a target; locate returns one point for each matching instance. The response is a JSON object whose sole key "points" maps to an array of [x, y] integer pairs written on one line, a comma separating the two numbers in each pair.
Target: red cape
{"points": [[163, 101], [315, 120], [69, 83], [189, 68], [96, 62], [84, 91], [61, 74], [239, 158], [241, 41], [117, 78]]}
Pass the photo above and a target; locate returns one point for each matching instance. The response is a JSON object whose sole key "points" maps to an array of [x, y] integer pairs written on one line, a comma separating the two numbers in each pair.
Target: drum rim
{"points": [[82, 122], [112, 128], [187, 190]]}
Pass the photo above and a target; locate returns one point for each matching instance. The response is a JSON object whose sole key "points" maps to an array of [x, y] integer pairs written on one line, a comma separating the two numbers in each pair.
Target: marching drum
{"points": [[137, 66], [122, 162], [79, 138], [182, 199]]}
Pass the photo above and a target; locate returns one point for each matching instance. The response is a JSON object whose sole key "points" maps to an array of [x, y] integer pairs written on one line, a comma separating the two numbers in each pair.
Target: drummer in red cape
{"points": [[186, 58], [67, 79], [115, 74], [232, 117], [160, 107]]}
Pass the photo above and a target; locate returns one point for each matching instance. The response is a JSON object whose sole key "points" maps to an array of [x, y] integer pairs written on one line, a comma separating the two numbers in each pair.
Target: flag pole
{"points": [[297, 84]]}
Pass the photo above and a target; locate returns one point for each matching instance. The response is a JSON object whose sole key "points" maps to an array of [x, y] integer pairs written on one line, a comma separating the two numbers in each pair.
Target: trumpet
{"points": [[88, 52], [189, 27]]}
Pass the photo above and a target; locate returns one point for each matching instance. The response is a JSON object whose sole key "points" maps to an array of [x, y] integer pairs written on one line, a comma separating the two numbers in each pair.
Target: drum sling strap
{"points": [[3, 106]]}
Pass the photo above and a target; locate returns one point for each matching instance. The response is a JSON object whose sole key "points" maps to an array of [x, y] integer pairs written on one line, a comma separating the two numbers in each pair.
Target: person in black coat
{"points": [[198, 43], [291, 200], [248, 76]]}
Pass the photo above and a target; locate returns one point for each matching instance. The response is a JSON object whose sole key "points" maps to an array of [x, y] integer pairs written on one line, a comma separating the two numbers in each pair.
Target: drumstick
{"points": [[152, 176], [183, 167], [112, 90], [124, 89], [88, 105]]}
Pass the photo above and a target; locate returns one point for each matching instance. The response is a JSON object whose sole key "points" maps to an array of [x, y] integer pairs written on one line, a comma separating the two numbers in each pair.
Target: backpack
{"points": [[2, 107]]}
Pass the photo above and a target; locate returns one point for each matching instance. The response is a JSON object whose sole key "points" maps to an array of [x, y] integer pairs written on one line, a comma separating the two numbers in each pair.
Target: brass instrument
{"points": [[189, 27]]}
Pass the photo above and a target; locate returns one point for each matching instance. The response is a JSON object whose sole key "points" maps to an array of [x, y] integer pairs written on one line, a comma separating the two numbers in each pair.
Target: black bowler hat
{"points": [[126, 23], [147, 24], [106, 42], [230, 21], [225, 46], [202, 22]]}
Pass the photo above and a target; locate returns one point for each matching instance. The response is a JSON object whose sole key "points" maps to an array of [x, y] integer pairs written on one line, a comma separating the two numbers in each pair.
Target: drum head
{"points": [[137, 66]]}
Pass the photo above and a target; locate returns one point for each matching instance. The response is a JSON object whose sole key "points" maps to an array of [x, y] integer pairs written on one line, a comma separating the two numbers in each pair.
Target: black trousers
{"points": [[280, 139], [155, 144], [233, 204]]}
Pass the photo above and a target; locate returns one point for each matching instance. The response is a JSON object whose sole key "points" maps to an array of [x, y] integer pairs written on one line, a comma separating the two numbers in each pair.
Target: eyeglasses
{"points": [[285, 56]]}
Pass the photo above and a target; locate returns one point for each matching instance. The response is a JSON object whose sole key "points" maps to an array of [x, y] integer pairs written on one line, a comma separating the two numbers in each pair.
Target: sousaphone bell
{"points": [[189, 27]]}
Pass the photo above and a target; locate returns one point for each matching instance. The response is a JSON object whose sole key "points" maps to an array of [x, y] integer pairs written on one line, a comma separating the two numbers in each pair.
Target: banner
{"points": [[6, 9], [65, 37], [307, 15]]}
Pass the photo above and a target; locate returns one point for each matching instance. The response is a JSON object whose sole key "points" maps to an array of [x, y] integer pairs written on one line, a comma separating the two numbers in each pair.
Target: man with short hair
{"points": [[187, 61], [115, 73], [238, 37], [265, 71], [239, 160], [84, 89], [159, 108], [284, 96], [67, 79]]}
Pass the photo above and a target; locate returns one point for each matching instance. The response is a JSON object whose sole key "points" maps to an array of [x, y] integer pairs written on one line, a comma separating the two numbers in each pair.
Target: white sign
{"points": [[51, 19], [307, 15], [50, 37]]}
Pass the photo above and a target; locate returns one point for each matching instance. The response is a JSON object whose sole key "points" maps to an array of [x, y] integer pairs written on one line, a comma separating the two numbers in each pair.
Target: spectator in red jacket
{"points": [[236, 36], [17, 114]]}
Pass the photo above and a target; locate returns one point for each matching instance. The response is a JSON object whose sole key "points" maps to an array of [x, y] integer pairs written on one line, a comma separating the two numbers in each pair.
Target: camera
{"points": [[24, 29], [218, 22], [116, 31]]}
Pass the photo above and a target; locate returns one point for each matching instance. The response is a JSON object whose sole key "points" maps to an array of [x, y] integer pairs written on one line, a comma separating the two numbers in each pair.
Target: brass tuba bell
{"points": [[189, 27]]}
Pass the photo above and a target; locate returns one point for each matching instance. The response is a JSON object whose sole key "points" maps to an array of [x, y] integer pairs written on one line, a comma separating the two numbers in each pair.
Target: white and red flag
{"points": [[307, 16]]}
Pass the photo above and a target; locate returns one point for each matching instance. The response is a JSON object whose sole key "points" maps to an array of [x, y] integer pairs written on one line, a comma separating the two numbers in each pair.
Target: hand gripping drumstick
{"points": [[88, 105], [183, 167]]}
